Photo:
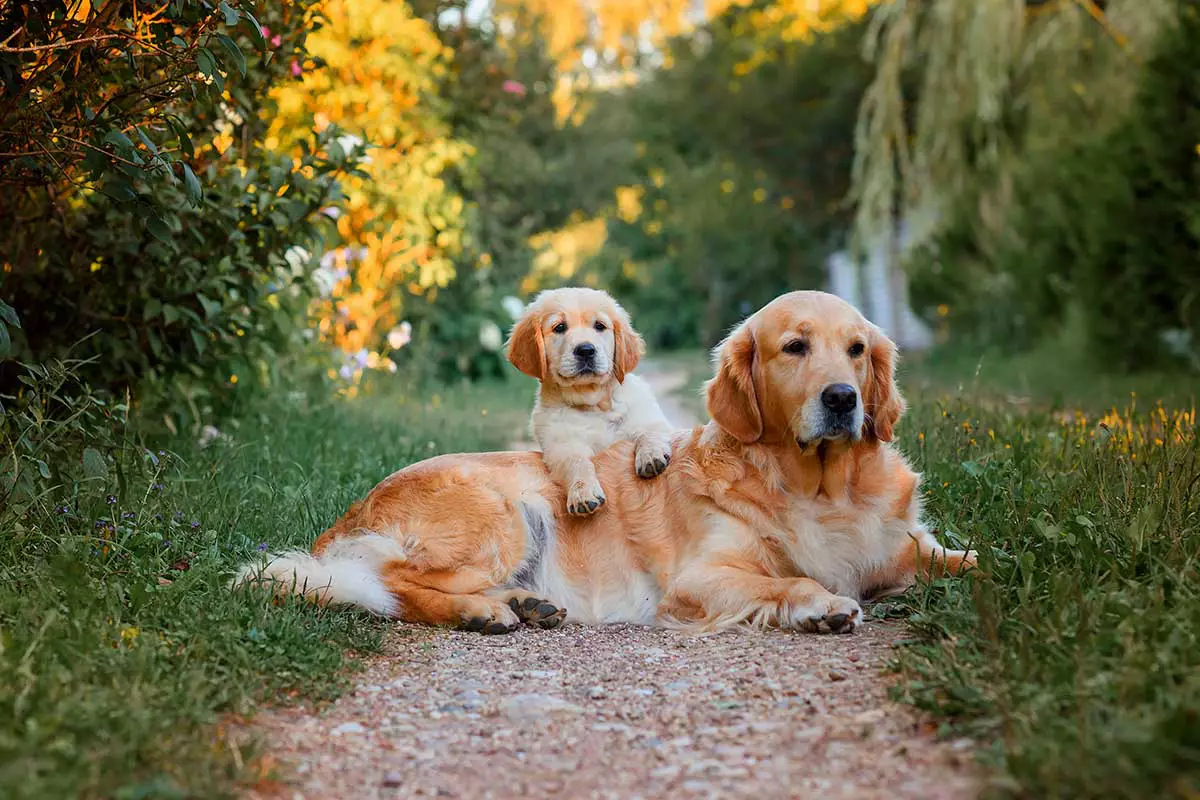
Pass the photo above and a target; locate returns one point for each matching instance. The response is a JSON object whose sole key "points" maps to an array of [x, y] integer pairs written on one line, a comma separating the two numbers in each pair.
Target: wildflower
{"points": [[262, 547], [513, 87], [333, 212], [400, 335], [111, 500], [128, 634], [208, 435], [195, 524], [490, 335], [276, 40], [128, 515], [349, 142], [513, 306], [166, 543], [297, 70]]}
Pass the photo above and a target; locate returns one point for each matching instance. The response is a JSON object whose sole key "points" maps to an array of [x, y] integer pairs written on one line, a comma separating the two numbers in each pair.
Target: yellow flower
{"points": [[128, 634], [787, 202], [727, 186], [96, 265], [233, 379], [760, 194]]}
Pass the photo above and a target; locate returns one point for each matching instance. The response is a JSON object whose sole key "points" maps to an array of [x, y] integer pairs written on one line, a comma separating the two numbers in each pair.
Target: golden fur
{"points": [[763, 517], [578, 415]]}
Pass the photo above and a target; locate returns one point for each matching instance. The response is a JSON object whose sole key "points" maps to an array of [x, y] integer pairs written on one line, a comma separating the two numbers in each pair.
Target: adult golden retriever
{"points": [[785, 510]]}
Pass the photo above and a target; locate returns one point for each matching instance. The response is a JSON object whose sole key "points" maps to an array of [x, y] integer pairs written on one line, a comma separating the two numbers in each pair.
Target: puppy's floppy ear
{"points": [[882, 401], [628, 347], [527, 345], [731, 398]]}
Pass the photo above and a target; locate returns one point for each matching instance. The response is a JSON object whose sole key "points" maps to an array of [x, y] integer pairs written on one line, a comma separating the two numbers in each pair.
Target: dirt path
{"points": [[619, 712]]}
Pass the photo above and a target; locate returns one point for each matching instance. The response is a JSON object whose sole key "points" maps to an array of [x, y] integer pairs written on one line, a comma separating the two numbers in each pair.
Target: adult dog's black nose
{"points": [[839, 398], [585, 351]]}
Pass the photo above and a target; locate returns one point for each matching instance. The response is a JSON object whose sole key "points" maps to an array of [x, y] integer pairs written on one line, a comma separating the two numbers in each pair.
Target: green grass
{"points": [[1074, 654], [121, 649]]}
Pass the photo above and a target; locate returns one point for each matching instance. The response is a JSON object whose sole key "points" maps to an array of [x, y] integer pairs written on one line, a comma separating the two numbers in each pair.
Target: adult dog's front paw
{"points": [[828, 613], [585, 498], [651, 458]]}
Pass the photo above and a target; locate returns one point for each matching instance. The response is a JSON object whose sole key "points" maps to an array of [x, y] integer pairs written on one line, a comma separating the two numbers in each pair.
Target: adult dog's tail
{"points": [[347, 572]]}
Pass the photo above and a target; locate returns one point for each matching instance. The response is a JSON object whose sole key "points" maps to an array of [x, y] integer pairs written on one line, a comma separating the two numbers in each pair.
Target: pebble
{"points": [[392, 780], [348, 727], [524, 707]]}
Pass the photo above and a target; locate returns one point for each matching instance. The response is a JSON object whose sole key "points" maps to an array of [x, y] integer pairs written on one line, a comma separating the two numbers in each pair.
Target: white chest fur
{"points": [[839, 544]]}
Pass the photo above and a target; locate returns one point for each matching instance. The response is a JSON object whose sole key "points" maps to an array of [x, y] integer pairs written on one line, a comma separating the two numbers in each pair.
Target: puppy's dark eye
{"points": [[797, 347], [560, 328], [600, 326], [857, 349]]}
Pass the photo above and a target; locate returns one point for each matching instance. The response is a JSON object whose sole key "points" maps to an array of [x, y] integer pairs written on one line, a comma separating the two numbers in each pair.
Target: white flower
{"points": [[328, 260], [361, 357], [390, 365], [325, 279], [513, 306], [400, 335], [347, 371], [349, 141], [490, 335], [297, 257], [333, 212], [208, 435]]}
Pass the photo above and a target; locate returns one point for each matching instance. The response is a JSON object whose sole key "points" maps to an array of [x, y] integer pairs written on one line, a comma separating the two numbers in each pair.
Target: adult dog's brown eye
{"points": [[797, 347], [600, 326], [560, 328], [857, 349]]}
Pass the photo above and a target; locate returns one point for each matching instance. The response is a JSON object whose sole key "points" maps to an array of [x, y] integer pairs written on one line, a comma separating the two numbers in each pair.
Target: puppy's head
{"points": [[575, 337], [809, 367]]}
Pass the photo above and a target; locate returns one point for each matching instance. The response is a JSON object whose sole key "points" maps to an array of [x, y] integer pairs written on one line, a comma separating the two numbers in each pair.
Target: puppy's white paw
{"points": [[651, 458], [585, 498], [828, 613]]}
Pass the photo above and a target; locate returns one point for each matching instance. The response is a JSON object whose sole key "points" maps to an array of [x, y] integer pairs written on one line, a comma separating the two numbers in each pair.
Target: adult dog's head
{"points": [[575, 337], [807, 367]]}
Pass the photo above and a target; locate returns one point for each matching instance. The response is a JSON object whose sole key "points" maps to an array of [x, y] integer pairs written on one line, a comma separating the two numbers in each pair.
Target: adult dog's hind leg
{"points": [[475, 612]]}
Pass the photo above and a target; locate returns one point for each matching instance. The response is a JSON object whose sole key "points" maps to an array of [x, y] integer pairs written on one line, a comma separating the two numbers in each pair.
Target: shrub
{"points": [[148, 229]]}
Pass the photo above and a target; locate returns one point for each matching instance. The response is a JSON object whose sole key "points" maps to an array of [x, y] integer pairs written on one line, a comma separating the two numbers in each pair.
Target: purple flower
{"points": [[195, 524], [128, 514], [111, 499], [262, 547], [166, 543], [63, 510], [158, 487]]}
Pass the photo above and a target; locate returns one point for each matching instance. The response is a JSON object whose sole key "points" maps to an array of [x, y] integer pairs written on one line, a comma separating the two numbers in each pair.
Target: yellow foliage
{"points": [[629, 202], [402, 225], [562, 252]]}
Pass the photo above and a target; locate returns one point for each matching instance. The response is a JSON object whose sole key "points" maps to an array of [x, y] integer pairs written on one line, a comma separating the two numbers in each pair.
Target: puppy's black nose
{"points": [[839, 397], [585, 350]]}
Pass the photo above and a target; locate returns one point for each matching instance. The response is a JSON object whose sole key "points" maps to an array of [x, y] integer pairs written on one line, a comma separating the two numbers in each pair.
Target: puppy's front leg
{"points": [[652, 453], [571, 465]]}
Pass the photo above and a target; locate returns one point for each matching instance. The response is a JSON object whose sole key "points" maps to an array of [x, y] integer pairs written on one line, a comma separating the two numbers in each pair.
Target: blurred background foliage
{"points": [[198, 199]]}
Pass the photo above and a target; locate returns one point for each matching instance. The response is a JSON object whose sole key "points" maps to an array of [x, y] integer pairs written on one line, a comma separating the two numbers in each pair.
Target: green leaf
{"points": [[207, 62], [235, 52], [231, 14], [94, 465], [5, 342], [43, 468], [170, 314], [9, 314], [159, 229], [199, 342], [180, 43], [211, 307], [255, 27], [192, 184], [146, 141], [118, 139], [153, 308]]}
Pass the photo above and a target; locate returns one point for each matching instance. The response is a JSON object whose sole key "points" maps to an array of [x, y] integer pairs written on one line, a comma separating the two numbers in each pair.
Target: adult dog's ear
{"points": [[882, 401], [731, 398], [628, 347], [527, 345]]}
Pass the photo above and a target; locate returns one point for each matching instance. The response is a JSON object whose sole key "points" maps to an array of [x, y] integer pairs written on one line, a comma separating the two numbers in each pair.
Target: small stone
{"points": [[392, 779], [596, 693], [836, 675], [535, 706], [348, 727]]}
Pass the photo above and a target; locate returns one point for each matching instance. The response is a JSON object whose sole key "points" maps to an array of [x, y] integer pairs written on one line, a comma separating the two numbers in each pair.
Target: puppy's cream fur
{"points": [[578, 414]]}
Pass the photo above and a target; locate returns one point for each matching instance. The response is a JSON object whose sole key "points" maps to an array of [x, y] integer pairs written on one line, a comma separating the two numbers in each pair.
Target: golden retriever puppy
{"points": [[579, 344]]}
